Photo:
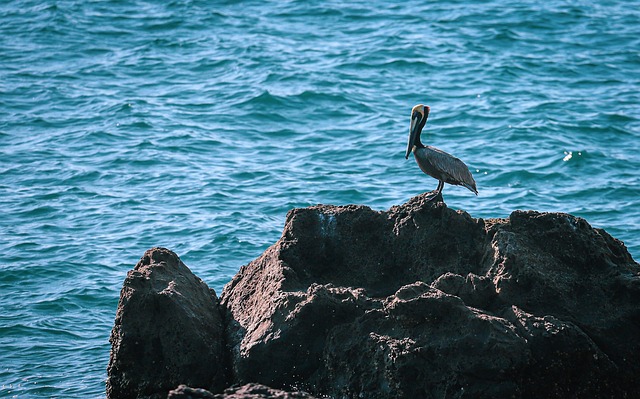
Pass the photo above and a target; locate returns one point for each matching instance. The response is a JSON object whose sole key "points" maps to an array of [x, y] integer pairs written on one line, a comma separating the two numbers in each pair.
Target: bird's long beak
{"points": [[413, 132]]}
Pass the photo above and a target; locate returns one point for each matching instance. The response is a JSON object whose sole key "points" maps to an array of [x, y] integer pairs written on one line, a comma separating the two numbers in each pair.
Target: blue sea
{"points": [[196, 125]]}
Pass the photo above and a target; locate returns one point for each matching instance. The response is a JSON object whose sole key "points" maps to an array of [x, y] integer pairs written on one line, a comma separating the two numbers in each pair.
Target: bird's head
{"points": [[419, 115]]}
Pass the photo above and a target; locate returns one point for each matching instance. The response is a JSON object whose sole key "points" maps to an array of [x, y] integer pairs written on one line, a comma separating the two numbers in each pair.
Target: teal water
{"points": [[197, 125]]}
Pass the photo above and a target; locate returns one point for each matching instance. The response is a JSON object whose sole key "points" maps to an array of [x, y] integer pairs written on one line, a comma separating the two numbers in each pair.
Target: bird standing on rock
{"points": [[436, 163]]}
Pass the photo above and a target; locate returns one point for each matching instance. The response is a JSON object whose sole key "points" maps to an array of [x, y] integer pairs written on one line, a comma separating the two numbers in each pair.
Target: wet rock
{"points": [[186, 392], [424, 301], [168, 331], [248, 391]]}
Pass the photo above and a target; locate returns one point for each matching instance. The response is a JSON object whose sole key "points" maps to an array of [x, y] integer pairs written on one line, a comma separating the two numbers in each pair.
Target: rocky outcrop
{"points": [[423, 301], [168, 331], [419, 301]]}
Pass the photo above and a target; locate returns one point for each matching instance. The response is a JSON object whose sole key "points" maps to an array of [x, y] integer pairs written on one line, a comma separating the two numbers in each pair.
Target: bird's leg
{"points": [[439, 191]]}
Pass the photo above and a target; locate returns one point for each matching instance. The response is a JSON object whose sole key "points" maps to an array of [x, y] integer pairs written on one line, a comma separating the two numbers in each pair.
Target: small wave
{"points": [[143, 125], [264, 99]]}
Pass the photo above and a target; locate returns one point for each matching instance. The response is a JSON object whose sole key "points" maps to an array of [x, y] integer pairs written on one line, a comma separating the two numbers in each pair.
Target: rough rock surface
{"points": [[168, 331], [248, 391], [422, 301]]}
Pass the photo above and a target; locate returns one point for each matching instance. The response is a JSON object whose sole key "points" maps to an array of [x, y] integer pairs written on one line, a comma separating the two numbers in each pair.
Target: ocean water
{"points": [[197, 125]]}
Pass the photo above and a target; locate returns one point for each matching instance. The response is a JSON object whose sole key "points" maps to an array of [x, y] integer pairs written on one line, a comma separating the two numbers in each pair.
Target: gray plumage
{"points": [[436, 163]]}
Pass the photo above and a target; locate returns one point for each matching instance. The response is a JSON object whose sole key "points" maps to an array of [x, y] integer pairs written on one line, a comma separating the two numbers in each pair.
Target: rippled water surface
{"points": [[196, 126]]}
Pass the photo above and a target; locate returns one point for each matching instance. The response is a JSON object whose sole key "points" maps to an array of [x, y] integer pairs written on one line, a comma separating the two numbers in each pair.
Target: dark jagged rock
{"points": [[423, 301], [248, 391], [416, 302], [168, 331]]}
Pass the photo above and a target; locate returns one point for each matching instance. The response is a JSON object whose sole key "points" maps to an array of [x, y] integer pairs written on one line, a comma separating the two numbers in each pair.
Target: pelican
{"points": [[436, 163]]}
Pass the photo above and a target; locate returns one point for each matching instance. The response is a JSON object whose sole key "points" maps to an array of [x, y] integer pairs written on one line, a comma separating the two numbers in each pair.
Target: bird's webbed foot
{"points": [[436, 196]]}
